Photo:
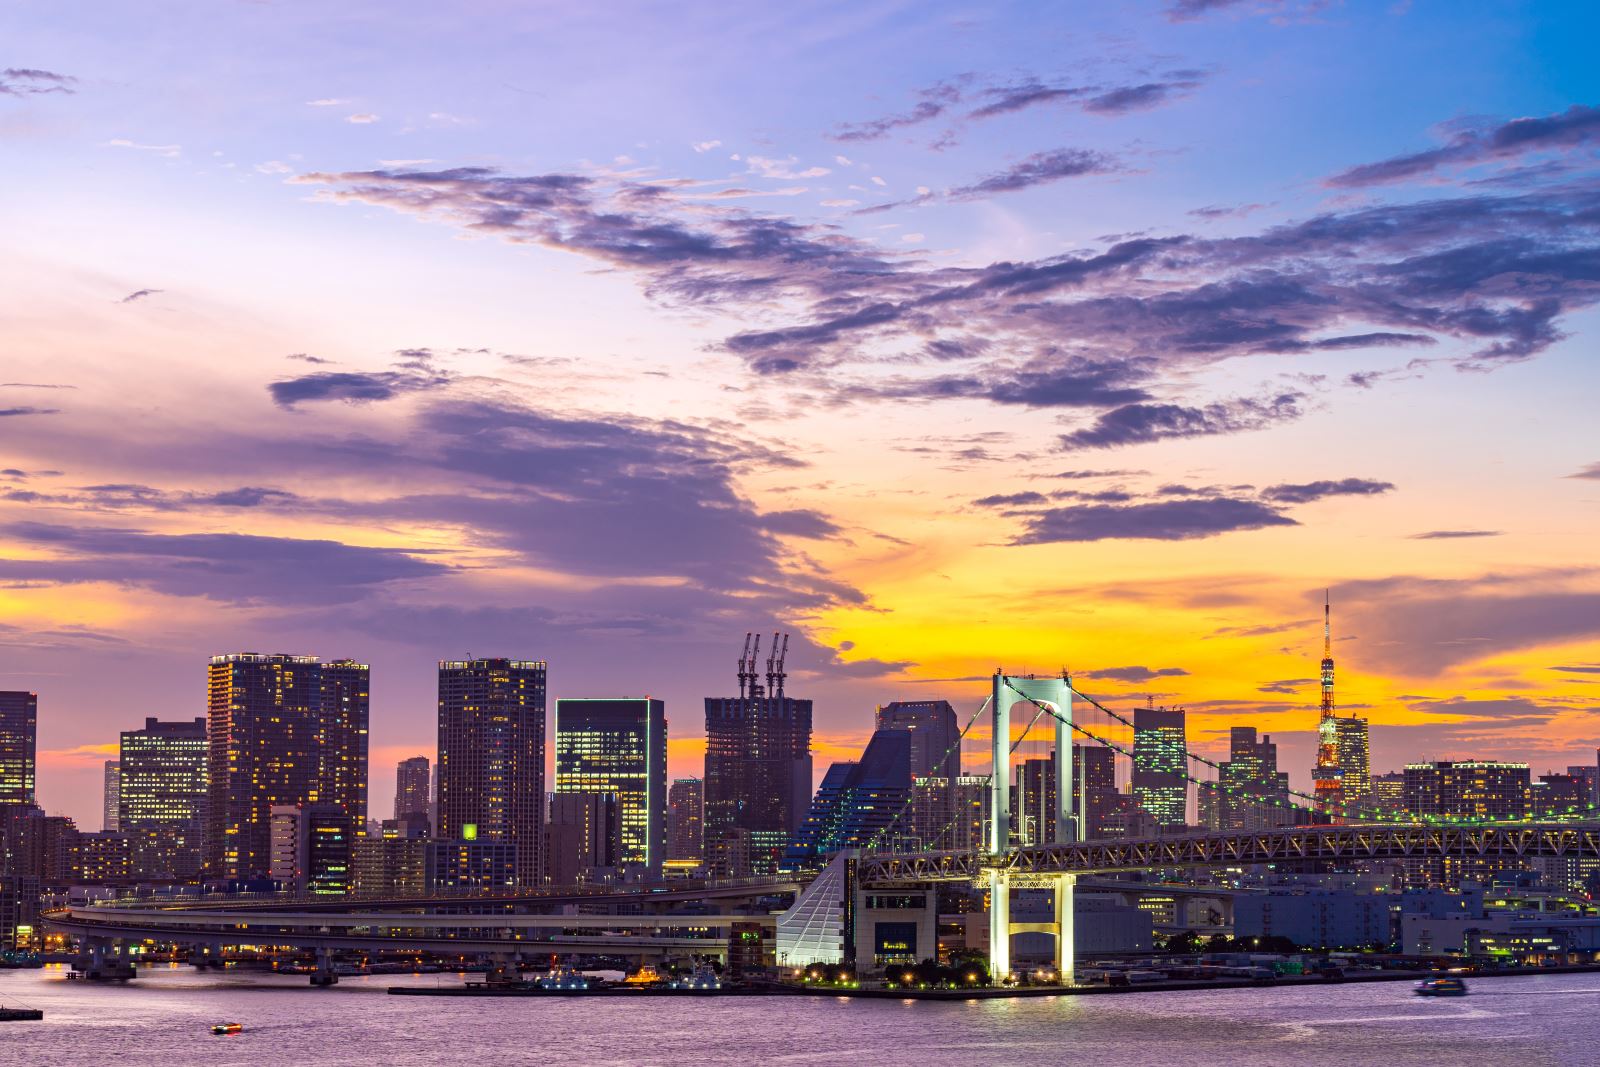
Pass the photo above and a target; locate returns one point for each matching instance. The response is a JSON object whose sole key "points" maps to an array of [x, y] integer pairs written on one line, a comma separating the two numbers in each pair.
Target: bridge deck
{"points": [[1307, 843]]}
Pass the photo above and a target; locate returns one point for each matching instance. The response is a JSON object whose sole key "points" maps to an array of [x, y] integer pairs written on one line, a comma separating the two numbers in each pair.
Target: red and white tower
{"points": [[1328, 775]]}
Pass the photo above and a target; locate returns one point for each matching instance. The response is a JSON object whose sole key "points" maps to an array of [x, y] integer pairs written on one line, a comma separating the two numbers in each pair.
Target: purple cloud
{"points": [[1426, 626], [1011, 500], [1129, 98], [1168, 520], [227, 567], [1039, 169], [23, 81], [1451, 535], [1493, 272], [1576, 127], [1591, 472], [934, 101], [1134, 424], [1004, 100], [1309, 491], [1135, 674]]}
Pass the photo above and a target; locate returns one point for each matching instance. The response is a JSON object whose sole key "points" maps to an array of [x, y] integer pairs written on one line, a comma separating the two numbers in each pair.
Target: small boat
{"points": [[1441, 987], [15, 1015], [704, 977], [646, 975], [563, 979], [228, 1028]]}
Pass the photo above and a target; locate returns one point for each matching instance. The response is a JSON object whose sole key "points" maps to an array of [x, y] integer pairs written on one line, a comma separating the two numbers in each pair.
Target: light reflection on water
{"points": [[165, 1018]]}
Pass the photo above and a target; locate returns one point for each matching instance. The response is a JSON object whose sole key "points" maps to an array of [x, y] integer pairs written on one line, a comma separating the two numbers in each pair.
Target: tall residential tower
{"points": [[491, 767], [282, 730], [19, 745]]}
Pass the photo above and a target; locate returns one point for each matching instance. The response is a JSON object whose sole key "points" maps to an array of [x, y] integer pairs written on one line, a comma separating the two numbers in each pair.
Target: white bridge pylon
{"points": [[1056, 694]]}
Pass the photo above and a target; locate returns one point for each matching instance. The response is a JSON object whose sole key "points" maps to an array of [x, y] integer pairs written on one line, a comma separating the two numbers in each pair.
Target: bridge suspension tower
{"points": [[1056, 695]]}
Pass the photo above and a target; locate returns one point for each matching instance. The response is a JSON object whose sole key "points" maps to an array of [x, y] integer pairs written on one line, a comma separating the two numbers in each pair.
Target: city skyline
{"points": [[1148, 322], [971, 750]]}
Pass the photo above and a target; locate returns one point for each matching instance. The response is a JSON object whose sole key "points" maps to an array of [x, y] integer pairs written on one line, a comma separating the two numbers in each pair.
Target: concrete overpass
{"points": [[497, 927]]}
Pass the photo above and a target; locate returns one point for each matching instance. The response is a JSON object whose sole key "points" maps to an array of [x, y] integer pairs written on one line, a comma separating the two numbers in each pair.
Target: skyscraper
{"points": [[1485, 790], [583, 836], [1389, 796], [618, 745], [395, 861], [758, 768], [934, 735], [411, 784], [1160, 764], [1094, 776], [111, 786], [686, 819], [491, 767], [311, 848], [1253, 794], [1355, 765], [162, 797], [1033, 796], [19, 744], [283, 730], [946, 815], [342, 746], [857, 802]]}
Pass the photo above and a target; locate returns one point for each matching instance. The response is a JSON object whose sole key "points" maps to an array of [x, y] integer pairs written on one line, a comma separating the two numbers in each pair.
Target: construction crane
{"points": [[775, 677], [744, 663], [750, 669], [772, 654]]}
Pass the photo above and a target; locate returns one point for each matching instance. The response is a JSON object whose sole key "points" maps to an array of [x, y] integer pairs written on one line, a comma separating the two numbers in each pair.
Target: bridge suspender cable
{"points": [[1574, 810], [954, 746], [1385, 816]]}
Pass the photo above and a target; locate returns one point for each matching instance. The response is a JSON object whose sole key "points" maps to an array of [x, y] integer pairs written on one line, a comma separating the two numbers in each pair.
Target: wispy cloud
{"points": [[169, 150], [1307, 492], [26, 81], [1576, 127], [1453, 535], [1142, 423], [1168, 520]]}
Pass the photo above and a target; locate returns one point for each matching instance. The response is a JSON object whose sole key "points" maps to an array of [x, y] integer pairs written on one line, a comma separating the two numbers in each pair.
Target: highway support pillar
{"points": [[324, 973], [104, 962], [504, 971]]}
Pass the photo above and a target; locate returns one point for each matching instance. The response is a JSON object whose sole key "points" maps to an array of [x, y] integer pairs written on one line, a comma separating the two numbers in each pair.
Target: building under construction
{"points": [[758, 766]]}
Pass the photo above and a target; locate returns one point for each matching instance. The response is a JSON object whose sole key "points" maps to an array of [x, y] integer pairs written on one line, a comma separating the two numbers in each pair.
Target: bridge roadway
{"points": [[1342, 844]]}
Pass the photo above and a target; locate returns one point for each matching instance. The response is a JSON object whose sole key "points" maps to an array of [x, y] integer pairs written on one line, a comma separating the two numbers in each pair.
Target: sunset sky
{"points": [[947, 336]]}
